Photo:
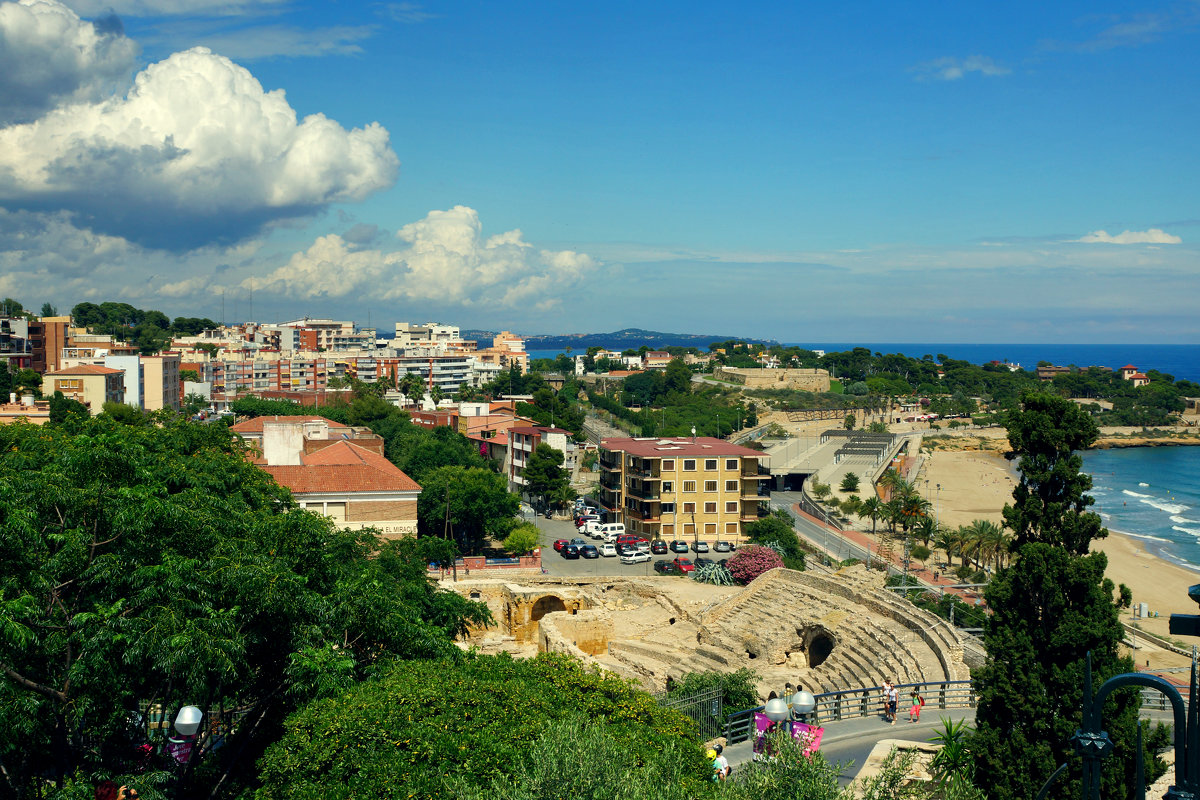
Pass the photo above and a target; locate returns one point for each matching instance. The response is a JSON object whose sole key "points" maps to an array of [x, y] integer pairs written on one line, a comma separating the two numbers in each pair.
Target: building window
{"points": [[731, 527], [710, 508], [689, 528], [689, 465], [668, 465], [668, 530], [668, 487], [668, 508], [689, 508], [689, 486], [731, 486], [731, 506], [710, 464], [710, 527], [731, 464], [710, 486]]}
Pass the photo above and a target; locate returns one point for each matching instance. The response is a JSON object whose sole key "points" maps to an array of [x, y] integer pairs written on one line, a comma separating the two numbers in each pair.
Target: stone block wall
{"points": [[809, 380]]}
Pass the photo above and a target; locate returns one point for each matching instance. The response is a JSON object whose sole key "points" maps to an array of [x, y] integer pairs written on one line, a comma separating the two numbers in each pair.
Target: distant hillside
{"points": [[617, 340]]}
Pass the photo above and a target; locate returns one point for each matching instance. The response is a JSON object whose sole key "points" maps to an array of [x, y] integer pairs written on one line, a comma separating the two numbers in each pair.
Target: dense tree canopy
{"points": [[406, 733], [1051, 608], [146, 564]]}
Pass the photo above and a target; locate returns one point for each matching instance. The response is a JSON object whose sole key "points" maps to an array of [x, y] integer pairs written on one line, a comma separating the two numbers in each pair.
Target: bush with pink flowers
{"points": [[750, 562]]}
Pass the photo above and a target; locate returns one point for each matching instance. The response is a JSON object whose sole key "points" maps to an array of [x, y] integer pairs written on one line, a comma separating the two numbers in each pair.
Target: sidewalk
{"points": [[852, 739]]}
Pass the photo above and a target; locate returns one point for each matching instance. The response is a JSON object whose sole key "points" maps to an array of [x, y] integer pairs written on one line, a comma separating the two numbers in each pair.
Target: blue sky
{"points": [[873, 171]]}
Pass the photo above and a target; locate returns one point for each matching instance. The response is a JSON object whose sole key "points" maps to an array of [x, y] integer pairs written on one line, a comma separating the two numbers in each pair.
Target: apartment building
{"points": [[523, 440], [160, 381], [695, 488], [89, 384], [336, 471]]}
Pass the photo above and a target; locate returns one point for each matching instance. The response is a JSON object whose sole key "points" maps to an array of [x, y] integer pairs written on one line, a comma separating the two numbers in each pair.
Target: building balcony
{"points": [[755, 472], [611, 462], [611, 481], [642, 493]]}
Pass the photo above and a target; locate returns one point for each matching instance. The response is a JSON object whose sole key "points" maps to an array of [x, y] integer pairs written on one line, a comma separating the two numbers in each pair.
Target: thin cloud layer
{"points": [[953, 69], [163, 8], [49, 56], [444, 257], [196, 153], [1151, 236]]}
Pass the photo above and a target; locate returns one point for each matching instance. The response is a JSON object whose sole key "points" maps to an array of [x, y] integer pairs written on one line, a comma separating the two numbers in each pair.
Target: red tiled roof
{"points": [[1129, 366], [671, 448], [256, 425], [343, 467], [86, 369]]}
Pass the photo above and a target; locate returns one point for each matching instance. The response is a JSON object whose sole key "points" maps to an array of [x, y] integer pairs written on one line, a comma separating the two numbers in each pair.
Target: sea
{"points": [[1152, 494]]}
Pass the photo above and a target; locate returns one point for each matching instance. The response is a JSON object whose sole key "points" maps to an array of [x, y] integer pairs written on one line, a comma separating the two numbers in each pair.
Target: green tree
{"points": [[522, 539], [48, 310], [543, 472], [776, 532], [63, 408], [850, 482], [479, 717], [478, 503], [155, 564], [1050, 609], [1050, 501], [678, 377]]}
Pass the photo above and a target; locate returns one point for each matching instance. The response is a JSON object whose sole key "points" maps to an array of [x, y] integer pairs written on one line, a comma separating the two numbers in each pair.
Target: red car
{"points": [[559, 544], [684, 564]]}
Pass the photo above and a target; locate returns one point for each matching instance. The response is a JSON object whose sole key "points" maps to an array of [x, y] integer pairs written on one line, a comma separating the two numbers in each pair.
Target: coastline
{"points": [[977, 483]]}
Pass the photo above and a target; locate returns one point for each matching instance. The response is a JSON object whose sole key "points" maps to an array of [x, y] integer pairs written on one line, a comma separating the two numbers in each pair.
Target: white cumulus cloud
{"points": [[196, 152], [953, 69], [443, 257], [1151, 236], [49, 56]]}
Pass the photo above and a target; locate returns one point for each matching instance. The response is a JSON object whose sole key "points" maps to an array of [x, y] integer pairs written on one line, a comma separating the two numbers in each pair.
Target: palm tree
{"points": [[990, 539], [947, 542], [873, 508], [926, 529]]}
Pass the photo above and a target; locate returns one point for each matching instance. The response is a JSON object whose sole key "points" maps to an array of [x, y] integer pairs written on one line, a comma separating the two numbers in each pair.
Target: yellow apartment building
{"points": [[89, 384], [692, 488], [160, 375]]}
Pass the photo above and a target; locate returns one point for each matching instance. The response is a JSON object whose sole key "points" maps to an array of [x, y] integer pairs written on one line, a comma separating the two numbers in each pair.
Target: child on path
{"points": [[918, 702]]}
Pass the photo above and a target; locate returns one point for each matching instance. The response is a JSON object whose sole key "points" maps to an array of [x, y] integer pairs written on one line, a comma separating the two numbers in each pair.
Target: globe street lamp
{"points": [[803, 706]]}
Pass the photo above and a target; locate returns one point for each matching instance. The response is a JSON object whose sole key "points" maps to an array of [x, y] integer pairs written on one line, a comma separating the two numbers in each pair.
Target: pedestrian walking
{"points": [[893, 702], [918, 702]]}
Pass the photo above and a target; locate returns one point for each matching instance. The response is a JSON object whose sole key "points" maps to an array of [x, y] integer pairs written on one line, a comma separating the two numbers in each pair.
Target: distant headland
{"points": [[619, 340]]}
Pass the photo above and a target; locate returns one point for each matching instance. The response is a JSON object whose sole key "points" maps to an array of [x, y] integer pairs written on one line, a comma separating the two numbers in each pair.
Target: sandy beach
{"points": [[976, 484]]}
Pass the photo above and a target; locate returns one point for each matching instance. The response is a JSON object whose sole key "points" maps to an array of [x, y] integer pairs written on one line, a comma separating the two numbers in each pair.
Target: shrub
{"points": [[750, 562]]}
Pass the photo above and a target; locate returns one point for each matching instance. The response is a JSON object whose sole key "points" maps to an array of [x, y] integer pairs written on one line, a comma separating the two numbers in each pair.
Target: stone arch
{"points": [[818, 643], [546, 604]]}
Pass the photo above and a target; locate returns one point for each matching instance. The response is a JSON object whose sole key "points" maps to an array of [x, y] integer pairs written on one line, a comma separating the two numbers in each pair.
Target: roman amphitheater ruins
{"points": [[819, 632]]}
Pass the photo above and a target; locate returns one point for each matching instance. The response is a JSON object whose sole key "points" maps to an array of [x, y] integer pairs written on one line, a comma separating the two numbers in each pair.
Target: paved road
{"points": [[849, 742]]}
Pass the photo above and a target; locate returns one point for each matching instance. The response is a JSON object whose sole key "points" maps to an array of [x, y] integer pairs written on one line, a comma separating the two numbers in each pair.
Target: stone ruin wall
{"points": [[809, 380]]}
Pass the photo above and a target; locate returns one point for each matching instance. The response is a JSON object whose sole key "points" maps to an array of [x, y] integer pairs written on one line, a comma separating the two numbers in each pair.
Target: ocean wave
{"points": [[1190, 531], [1135, 494], [1142, 484], [1170, 508], [1184, 520], [1144, 536]]}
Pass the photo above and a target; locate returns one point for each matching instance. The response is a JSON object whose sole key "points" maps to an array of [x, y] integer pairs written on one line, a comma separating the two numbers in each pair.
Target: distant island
{"points": [[618, 340]]}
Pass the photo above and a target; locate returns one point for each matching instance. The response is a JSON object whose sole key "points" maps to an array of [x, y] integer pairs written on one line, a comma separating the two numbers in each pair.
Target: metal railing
{"points": [[856, 703]]}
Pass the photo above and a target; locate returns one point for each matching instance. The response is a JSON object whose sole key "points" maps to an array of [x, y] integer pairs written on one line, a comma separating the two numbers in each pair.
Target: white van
{"points": [[610, 531]]}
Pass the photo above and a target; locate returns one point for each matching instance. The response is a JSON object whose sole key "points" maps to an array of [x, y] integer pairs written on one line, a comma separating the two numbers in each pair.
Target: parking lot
{"points": [[555, 564]]}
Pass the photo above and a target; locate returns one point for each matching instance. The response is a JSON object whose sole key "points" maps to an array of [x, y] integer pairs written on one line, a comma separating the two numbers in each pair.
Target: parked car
{"points": [[570, 551], [723, 547], [635, 558], [679, 546], [589, 551], [685, 564], [658, 547], [578, 542], [559, 544], [607, 550], [700, 547], [642, 547], [666, 567]]}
